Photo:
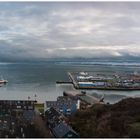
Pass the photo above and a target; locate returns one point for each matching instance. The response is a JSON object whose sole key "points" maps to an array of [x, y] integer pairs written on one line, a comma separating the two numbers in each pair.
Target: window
{"points": [[30, 107], [18, 107], [69, 135], [61, 110]]}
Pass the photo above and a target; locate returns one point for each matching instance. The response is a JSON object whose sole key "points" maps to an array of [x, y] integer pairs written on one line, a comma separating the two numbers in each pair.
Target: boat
{"points": [[3, 81]]}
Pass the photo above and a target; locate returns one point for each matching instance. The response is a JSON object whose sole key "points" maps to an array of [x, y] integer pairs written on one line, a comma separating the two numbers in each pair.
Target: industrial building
{"points": [[88, 84]]}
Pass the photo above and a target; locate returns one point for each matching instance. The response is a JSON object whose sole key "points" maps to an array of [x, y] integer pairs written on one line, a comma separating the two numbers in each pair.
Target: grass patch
{"points": [[39, 107]]}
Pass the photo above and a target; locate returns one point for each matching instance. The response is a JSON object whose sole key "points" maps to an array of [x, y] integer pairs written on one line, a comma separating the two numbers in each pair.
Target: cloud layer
{"points": [[41, 30]]}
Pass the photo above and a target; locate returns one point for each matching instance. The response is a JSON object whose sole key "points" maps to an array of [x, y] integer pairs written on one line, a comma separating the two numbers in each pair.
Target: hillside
{"points": [[118, 120]]}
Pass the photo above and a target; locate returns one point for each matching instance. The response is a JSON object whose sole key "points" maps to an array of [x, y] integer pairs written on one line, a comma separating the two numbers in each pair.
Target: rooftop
{"points": [[62, 129], [89, 99], [73, 93]]}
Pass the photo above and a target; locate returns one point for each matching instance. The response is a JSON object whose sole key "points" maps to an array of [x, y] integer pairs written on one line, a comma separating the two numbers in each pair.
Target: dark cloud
{"points": [[41, 30]]}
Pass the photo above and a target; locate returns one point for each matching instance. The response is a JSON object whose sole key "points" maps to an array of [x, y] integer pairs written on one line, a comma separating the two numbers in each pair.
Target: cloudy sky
{"points": [[35, 30]]}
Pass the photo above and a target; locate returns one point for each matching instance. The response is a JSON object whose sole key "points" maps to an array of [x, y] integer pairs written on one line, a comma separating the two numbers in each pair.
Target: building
{"points": [[84, 100], [91, 84], [16, 105], [64, 104], [29, 115], [73, 94], [57, 123], [13, 114], [54, 117], [64, 131]]}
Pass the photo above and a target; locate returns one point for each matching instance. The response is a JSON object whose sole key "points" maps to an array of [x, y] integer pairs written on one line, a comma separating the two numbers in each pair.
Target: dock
{"points": [[109, 88], [73, 80], [117, 88]]}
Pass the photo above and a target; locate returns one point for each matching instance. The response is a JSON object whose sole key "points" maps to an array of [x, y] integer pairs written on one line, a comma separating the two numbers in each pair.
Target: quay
{"points": [[95, 83], [109, 88], [73, 80]]}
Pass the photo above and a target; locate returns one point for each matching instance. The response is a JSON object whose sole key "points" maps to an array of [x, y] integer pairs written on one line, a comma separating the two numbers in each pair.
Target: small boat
{"points": [[3, 81]]}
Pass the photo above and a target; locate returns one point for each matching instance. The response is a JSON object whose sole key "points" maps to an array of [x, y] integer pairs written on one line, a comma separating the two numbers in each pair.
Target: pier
{"points": [[73, 80]]}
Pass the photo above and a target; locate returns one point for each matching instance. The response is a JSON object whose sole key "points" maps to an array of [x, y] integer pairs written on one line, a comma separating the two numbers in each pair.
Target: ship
{"points": [[2, 81]]}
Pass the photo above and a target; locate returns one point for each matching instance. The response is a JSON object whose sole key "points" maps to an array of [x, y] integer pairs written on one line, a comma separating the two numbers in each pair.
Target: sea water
{"points": [[39, 78]]}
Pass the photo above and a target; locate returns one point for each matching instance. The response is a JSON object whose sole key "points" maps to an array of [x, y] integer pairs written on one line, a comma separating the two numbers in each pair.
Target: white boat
{"points": [[3, 81]]}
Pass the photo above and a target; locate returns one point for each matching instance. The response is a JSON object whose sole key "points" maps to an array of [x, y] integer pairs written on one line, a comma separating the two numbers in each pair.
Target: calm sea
{"points": [[28, 79]]}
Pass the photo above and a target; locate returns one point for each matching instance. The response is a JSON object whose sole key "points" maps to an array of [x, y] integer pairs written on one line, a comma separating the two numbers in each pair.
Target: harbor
{"points": [[66, 105], [101, 81]]}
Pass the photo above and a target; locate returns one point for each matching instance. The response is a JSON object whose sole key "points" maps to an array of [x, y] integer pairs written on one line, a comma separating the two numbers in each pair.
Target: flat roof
{"points": [[73, 92], [89, 99]]}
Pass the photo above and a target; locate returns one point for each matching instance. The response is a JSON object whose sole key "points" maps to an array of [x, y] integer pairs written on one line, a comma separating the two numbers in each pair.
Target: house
{"points": [[64, 105], [17, 104], [64, 131], [57, 123], [29, 115], [54, 117]]}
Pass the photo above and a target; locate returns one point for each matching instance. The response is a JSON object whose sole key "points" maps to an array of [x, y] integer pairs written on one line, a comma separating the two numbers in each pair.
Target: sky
{"points": [[44, 30]]}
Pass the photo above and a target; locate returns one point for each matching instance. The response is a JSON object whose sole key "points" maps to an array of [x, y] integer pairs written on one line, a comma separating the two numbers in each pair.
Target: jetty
{"points": [[73, 80]]}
